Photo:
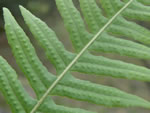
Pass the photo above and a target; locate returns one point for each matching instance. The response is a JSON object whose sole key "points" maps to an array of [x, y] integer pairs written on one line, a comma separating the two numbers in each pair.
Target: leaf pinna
{"points": [[117, 15]]}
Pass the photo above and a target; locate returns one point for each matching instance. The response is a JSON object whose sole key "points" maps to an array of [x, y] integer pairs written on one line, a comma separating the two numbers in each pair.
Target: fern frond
{"points": [[118, 28], [74, 89], [60, 77], [106, 43], [17, 97], [17, 91], [43, 81], [90, 64], [30, 64], [69, 87]]}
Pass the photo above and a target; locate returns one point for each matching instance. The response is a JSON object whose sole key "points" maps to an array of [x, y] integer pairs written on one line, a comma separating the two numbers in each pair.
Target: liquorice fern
{"points": [[105, 40]]}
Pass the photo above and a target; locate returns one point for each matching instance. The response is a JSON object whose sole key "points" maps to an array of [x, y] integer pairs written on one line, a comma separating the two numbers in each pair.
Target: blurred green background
{"points": [[47, 11]]}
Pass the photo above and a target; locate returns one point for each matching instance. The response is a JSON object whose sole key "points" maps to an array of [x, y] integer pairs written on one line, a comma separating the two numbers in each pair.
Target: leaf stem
{"points": [[78, 56]]}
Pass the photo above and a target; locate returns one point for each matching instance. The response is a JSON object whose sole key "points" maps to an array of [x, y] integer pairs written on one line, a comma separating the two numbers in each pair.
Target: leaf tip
{"points": [[5, 11], [21, 8]]}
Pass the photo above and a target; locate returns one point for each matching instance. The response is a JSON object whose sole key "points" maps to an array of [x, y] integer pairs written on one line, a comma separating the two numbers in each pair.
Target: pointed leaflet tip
{"points": [[4, 9], [5, 12], [21, 8], [25, 12], [8, 17]]}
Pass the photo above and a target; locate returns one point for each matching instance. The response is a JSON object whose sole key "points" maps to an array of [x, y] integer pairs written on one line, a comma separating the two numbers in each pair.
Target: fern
{"points": [[105, 40]]}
